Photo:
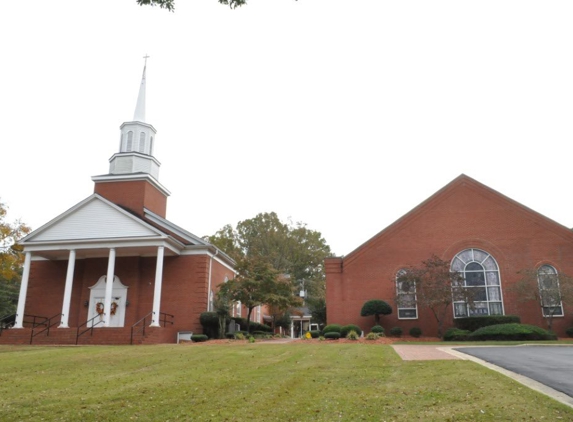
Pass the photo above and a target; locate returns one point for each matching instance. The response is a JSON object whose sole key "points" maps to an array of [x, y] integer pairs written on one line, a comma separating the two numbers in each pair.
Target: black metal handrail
{"points": [[163, 319], [7, 321], [78, 334], [47, 324]]}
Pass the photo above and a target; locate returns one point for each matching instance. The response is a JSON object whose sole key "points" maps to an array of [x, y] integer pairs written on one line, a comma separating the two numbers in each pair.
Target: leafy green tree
{"points": [[255, 282], [436, 287], [375, 307], [170, 4], [11, 259], [291, 249]]}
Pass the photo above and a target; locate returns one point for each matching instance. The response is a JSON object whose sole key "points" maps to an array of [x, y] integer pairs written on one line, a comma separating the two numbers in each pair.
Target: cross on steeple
{"points": [[145, 57]]}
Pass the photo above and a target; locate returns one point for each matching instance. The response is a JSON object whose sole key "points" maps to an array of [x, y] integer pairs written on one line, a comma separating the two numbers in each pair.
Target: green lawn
{"points": [[256, 382]]}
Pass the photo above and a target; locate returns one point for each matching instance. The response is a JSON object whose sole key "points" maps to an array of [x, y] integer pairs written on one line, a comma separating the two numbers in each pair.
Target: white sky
{"points": [[343, 114]]}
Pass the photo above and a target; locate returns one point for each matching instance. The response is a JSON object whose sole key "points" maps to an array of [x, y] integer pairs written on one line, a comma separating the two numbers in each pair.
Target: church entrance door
{"points": [[118, 301]]}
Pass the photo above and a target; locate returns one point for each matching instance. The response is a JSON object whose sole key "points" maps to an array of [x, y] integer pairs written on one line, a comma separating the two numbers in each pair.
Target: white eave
{"points": [[131, 177]]}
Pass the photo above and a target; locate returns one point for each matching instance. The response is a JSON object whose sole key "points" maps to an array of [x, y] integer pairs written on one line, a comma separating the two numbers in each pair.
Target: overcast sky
{"points": [[342, 114]]}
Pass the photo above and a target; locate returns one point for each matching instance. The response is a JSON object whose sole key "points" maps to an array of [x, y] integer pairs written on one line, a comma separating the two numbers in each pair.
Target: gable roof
{"points": [[448, 190]]}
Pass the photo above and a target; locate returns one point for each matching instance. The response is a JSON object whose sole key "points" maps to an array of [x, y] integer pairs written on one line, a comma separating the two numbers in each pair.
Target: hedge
{"points": [[475, 323], [377, 329], [332, 335], [332, 328], [415, 332], [512, 332], [254, 326], [455, 334], [199, 338], [396, 331]]}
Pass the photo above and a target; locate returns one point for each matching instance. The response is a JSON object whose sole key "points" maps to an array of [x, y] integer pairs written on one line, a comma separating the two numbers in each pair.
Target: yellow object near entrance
{"points": [[307, 335]]}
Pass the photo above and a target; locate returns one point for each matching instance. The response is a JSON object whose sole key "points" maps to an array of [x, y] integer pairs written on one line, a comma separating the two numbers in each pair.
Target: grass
{"points": [[256, 382]]}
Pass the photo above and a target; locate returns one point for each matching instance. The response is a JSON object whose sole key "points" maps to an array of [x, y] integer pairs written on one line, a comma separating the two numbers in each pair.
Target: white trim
{"points": [[130, 177]]}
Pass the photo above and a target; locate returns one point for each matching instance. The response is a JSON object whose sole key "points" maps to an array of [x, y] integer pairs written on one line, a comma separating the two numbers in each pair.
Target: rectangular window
{"points": [[406, 300]]}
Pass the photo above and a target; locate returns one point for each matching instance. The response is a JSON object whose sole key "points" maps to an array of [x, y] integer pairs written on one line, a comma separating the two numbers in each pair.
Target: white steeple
{"points": [[139, 115], [136, 143]]}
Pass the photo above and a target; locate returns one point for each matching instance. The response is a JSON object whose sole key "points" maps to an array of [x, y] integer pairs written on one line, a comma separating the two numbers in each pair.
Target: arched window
{"points": [[481, 275], [549, 291], [129, 141], [142, 142], [406, 298]]}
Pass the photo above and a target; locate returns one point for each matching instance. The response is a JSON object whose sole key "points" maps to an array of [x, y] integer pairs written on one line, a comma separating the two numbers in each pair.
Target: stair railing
{"points": [[47, 324], [90, 328], [139, 326]]}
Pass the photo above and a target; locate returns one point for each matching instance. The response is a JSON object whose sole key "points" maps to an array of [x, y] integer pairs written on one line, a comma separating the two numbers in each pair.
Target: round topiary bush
{"points": [[396, 331], [348, 328], [372, 336], [415, 332], [375, 307], [512, 332], [378, 329], [315, 333], [197, 338], [332, 328], [332, 335], [455, 334], [569, 331]]}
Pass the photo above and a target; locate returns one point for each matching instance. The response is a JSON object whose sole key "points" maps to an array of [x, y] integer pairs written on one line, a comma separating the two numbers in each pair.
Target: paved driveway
{"points": [[549, 365]]}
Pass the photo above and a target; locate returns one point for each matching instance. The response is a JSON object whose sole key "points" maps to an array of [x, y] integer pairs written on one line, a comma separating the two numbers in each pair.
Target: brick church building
{"points": [[485, 235], [113, 262]]}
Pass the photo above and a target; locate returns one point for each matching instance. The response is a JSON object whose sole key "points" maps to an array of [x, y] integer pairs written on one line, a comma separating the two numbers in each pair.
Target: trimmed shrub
{"points": [[254, 326], [569, 331], [375, 307], [378, 329], [372, 336], [352, 335], [332, 328], [210, 323], [332, 335], [415, 332], [321, 338], [475, 323], [344, 331], [455, 334], [251, 339], [197, 338], [315, 333], [396, 331], [239, 336], [512, 332]]}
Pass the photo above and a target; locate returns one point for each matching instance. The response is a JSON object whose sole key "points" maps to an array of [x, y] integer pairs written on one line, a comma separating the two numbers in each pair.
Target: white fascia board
{"points": [[179, 231], [211, 252], [92, 197], [169, 243], [131, 177]]}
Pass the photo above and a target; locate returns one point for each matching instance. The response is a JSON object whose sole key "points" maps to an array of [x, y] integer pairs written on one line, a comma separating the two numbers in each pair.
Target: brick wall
{"points": [[465, 214]]}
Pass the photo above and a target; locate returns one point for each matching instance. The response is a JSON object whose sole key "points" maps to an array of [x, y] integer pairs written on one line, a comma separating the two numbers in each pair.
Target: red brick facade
{"points": [[464, 214], [134, 195]]}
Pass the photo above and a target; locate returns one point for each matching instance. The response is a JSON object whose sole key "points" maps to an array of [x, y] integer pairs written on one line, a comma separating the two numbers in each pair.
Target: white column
{"points": [[291, 329], [157, 289], [68, 290], [109, 287], [23, 291]]}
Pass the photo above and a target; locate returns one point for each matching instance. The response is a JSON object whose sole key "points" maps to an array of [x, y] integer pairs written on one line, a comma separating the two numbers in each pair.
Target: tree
{"points": [[291, 249], [375, 307], [435, 286], [256, 284], [547, 288], [170, 4], [11, 259]]}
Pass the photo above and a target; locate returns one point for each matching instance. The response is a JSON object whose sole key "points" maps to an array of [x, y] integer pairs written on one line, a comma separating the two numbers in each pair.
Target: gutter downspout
{"points": [[209, 285]]}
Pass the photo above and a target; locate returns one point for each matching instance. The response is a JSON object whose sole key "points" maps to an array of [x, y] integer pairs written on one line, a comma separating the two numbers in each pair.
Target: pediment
{"points": [[94, 218]]}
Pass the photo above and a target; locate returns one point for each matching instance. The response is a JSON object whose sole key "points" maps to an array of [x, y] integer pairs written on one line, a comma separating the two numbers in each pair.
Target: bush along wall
{"points": [[332, 328], [348, 328], [210, 323], [475, 323], [512, 332], [254, 326]]}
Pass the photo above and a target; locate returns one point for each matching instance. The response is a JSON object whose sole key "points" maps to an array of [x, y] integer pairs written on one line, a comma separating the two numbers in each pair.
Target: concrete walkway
{"points": [[424, 352]]}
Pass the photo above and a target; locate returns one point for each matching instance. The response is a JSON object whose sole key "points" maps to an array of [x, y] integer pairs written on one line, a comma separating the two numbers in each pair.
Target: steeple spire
{"points": [[139, 115]]}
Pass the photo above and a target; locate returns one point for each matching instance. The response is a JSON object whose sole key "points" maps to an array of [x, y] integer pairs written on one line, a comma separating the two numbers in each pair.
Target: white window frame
{"points": [[479, 256], [399, 292], [539, 285]]}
